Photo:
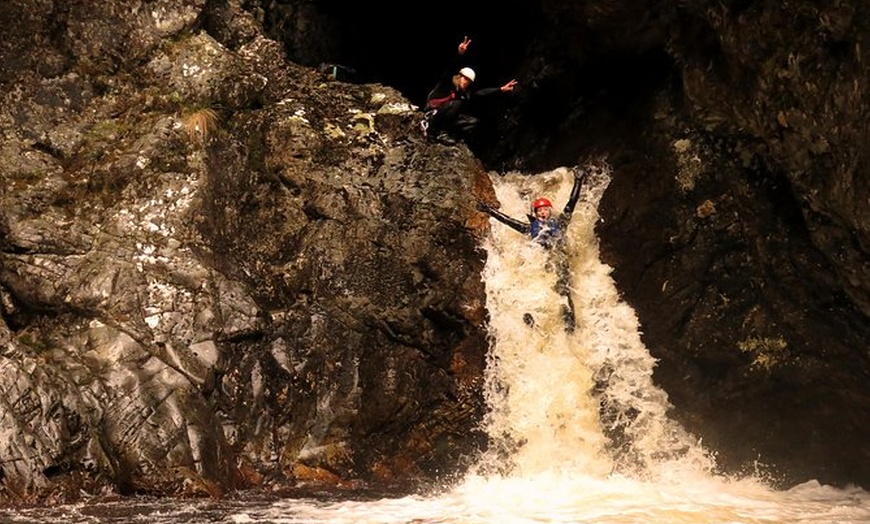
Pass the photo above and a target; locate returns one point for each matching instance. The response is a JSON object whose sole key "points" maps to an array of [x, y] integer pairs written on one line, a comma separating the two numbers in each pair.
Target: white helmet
{"points": [[467, 72]]}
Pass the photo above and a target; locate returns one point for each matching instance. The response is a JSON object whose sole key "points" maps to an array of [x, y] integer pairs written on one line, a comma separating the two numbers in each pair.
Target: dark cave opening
{"points": [[408, 46], [605, 106], [566, 103]]}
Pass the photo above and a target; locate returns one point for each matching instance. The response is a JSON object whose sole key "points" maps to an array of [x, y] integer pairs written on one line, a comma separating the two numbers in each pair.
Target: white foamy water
{"points": [[580, 434]]}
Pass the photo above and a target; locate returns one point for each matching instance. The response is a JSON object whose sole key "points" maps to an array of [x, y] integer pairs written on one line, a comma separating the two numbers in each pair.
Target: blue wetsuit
{"points": [[548, 233], [545, 232]]}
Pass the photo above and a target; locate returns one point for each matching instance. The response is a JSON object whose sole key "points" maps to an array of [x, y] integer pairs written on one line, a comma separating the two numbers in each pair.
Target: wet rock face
{"points": [[753, 285], [219, 269]]}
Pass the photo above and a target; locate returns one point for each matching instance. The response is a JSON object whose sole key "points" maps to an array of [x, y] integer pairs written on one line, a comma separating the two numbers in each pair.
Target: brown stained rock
{"points": [[289, 274]]}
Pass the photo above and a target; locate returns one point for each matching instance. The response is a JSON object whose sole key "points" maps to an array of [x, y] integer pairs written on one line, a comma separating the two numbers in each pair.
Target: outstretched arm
{"points": [[513, 223], [579, 175], [486, 91]]}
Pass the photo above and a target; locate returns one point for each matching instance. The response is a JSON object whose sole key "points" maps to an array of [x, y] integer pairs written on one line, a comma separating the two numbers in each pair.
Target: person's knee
{"points": [[449, 110], [466, 122]]}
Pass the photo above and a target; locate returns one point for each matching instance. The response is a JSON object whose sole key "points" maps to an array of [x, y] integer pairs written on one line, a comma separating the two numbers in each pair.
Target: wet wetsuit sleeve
{"points": [[575, 195], [513, 223], [486, 91]]}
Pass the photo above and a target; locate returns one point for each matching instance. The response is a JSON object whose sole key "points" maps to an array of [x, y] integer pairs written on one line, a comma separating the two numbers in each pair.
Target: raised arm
{"points": [[579, 175], [513, 223], [438, 95]]}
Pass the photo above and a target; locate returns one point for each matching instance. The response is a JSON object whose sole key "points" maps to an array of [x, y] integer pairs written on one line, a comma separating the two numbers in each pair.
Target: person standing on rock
{"points": [[447, 116], [549, 232]]}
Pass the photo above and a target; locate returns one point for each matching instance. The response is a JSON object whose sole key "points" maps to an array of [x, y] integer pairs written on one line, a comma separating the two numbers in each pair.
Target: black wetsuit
{"points": [[550, 235], [447, 108]]}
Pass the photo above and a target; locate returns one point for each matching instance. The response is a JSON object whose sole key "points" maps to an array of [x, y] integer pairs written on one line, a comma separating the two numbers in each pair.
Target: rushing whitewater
{"points": [[580, 402], [579, 432]]}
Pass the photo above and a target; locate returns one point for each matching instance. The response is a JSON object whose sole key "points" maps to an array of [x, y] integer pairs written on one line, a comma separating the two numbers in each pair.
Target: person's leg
{"points": [[444, 118], [465, 128], [568, 315], [466, 124], [563, 287]]}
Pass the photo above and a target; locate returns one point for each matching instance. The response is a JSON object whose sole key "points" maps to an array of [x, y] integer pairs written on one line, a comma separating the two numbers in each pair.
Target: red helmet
{"points": [[541, 202]]}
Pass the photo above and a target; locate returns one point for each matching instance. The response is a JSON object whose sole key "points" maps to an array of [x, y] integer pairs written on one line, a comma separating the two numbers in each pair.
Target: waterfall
{"points": [[583, 401]]}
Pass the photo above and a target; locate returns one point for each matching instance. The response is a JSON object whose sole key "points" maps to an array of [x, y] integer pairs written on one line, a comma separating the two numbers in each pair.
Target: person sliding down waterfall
{"points": [[548, 231]]}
